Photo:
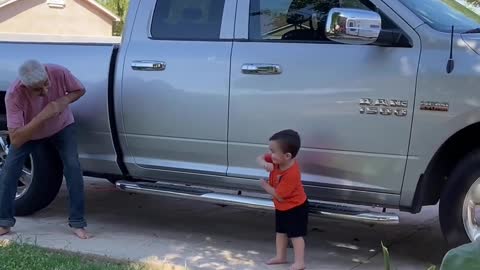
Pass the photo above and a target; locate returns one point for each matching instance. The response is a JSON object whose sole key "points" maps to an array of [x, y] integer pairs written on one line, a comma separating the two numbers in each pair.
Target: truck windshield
{"points": [[443, 14]]}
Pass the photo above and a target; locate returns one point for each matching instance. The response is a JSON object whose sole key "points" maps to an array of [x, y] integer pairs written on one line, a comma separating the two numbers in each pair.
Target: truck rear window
{"points": [[187, 19]]}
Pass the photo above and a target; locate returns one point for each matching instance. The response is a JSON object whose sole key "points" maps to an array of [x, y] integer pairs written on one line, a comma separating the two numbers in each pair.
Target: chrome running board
{"points": [[325, 210]]}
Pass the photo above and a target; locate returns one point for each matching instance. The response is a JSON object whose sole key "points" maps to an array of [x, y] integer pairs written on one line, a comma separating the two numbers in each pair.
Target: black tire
{"points": [[46, 182], [452, 199]]}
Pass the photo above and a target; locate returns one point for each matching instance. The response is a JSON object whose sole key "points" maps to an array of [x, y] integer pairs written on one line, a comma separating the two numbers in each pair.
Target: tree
{"points": [[119, 7], [474, 2]]}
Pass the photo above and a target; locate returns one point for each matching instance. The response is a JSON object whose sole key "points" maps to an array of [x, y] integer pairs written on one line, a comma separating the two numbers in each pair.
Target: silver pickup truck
{"points": [[385, 94]]}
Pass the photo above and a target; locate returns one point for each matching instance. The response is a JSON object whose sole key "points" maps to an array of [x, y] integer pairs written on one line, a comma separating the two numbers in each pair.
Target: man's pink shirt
{"points": [[22, 105]]}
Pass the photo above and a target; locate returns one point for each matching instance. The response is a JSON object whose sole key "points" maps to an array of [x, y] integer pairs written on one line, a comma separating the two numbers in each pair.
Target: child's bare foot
{"points": [[277, 260], [82, 233], [297, 267], [4, 231]]}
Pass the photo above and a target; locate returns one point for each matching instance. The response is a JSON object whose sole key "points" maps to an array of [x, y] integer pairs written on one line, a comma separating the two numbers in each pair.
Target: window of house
{"points": [[187, 19], [56, 3], [299, 20]]}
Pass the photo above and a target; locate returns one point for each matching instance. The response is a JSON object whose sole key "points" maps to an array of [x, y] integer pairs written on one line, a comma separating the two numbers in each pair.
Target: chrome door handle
{"points": [[149, 65], [261, 69]]}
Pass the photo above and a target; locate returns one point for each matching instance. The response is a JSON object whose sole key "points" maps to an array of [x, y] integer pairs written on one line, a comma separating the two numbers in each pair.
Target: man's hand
{"points": [[53, 109], [63, 100], [56, 107], [20, 136], [71, 97]]}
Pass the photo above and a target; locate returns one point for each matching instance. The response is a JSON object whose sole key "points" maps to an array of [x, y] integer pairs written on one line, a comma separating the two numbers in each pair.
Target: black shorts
{"points": [[293, 222]]}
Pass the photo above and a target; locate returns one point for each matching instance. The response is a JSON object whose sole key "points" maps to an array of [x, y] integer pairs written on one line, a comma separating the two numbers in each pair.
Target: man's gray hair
{"points": [[32, 74]]}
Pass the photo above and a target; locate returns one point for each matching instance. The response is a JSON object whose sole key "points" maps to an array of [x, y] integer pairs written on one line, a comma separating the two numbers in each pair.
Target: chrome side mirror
{"points": [[353, 26]]}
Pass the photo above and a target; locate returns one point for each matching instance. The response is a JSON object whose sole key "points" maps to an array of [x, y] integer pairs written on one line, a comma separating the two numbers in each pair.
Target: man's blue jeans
{"points": [[66, 145]]}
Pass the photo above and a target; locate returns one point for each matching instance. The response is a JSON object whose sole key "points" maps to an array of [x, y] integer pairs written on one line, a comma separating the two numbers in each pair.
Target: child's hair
{"points": [[289, 141]]}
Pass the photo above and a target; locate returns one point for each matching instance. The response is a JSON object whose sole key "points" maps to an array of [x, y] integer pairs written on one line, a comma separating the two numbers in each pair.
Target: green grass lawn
{"points": [[28, 257]]}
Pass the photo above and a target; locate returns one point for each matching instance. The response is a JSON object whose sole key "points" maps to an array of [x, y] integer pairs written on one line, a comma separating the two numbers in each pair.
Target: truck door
{"points": [[175, 86], [287, 75]]}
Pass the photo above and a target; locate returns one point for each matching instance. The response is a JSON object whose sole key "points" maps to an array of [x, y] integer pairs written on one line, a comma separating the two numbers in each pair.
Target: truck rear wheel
{"points": [[40, 181], [460, 202]]}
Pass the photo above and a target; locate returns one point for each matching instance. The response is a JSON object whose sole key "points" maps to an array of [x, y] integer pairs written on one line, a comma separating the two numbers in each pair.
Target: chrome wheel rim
{"points": [[25, 180], [471, 211]]}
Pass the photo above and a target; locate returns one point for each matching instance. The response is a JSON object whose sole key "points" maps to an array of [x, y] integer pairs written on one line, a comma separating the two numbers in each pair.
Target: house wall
{"points": [[76, 18]]}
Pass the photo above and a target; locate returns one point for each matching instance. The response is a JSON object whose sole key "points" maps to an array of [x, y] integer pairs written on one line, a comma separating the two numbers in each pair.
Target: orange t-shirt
{"points": [[288, 186]]}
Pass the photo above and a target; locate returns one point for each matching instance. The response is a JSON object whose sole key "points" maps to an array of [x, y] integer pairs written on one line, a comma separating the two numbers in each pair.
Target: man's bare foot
{"points": [[82, 233], [297, 267], [4, 231], [276, 261]]}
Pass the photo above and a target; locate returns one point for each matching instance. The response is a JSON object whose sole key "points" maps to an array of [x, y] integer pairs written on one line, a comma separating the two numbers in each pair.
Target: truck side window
{"points": [[299, 20], [187, 19]]}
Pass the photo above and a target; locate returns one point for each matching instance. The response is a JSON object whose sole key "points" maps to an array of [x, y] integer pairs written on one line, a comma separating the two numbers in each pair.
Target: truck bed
{"points": [[39, 38], [91, 63]]}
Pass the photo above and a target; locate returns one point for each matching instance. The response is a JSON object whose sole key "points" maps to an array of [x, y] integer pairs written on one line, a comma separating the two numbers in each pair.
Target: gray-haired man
{"points": [[38, 112]]}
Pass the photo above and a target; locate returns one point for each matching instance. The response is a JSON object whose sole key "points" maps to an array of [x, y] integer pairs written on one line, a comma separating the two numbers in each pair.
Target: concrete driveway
{"points": [[207, 236]]}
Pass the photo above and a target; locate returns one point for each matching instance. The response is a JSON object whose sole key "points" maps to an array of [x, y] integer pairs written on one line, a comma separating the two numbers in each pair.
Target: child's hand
{"points": [[268, 166], [264, 184]]}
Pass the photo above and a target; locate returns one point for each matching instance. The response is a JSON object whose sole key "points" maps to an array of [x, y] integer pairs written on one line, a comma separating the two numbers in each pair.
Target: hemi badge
{"points": [[434, 106]]}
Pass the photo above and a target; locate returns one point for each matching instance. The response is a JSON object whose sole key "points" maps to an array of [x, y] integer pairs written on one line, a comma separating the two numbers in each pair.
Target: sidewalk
{"points": [[206, 236]]}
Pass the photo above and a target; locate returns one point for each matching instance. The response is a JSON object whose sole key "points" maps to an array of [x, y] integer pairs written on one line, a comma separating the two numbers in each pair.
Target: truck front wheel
{"points": [[40, 181], [460, 202]]}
